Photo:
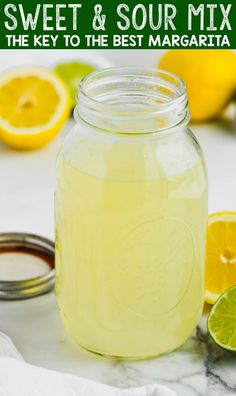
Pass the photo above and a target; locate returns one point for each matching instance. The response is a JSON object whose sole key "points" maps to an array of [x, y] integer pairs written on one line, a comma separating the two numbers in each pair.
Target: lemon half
{"points": [[221, 255], [34, 104]]}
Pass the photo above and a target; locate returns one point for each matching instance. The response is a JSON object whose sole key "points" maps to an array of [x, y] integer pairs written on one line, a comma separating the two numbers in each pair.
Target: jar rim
{"points": [[173, 90]]}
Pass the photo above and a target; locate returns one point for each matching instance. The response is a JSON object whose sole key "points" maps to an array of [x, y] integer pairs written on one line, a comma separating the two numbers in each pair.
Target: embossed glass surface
{"points": [[131, 209]]}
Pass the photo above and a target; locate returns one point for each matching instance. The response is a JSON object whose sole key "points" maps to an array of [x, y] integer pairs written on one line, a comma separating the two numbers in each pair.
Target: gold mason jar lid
{"points": [[27, 244]]}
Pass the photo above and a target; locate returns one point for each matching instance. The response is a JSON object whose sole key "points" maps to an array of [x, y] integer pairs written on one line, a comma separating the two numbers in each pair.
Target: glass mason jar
{"points": [[131, 212]]}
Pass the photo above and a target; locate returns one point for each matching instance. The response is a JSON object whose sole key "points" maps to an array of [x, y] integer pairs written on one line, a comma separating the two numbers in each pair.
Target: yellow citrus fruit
{"points": [[221, 255], [34, 104], [210, 77]]}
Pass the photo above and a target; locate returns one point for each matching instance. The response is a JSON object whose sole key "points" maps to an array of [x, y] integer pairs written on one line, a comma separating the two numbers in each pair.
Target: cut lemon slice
{"points": [[34, 104], [221, 255]]}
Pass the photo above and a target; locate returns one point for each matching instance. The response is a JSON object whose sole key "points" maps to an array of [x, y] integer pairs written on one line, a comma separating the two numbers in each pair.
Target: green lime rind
{"points": [[222, 320], [72, 72]]}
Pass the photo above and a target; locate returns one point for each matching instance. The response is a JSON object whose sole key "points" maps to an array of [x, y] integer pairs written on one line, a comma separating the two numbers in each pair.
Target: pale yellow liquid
{"points": [[129, 249]]}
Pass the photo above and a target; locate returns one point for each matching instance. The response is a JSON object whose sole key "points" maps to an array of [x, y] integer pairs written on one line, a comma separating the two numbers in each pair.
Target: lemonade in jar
{"points": [[131, 213]]}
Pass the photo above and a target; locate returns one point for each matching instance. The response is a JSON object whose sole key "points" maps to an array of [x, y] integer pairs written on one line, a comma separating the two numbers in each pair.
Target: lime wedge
{"points": [[72, 73], [222, 320]]}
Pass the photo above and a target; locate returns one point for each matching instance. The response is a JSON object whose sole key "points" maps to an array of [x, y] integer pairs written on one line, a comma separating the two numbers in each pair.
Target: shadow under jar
{"points": [[131, 212]]}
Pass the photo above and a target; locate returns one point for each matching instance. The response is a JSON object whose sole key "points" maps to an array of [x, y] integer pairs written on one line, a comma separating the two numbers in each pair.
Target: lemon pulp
{"points": [[130, 244], [27, 104], [34, 104], [221, 255]]}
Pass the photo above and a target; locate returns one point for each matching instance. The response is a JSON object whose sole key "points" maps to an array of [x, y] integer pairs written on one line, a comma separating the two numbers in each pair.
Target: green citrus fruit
{"points": [[222, 320], [72, 72]]}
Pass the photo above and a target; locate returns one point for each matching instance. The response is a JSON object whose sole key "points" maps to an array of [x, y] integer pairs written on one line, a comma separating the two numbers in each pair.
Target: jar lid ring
{"points": [[41, 247]]}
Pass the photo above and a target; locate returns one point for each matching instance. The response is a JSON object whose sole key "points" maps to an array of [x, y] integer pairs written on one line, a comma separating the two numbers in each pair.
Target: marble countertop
{"points": [[26, 204]]}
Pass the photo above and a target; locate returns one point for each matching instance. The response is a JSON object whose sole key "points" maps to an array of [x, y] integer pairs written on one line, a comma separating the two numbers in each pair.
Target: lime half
{"points": [[72, 72], [222, 320]]}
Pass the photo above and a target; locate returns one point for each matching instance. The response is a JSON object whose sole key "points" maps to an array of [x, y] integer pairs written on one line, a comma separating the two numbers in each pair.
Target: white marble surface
{"points": [[26, 204]]}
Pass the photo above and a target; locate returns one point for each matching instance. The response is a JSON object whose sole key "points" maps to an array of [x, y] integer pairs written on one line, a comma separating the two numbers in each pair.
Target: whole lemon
{"points": [[210, 77]]}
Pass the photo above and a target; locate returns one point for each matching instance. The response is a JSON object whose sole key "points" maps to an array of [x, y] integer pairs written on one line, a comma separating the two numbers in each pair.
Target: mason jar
{"points": [[131, 212]]}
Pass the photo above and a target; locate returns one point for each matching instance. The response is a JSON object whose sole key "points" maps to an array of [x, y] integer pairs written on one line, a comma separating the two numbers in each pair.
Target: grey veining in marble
{"points": [[198, 368], [220, 367]]}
